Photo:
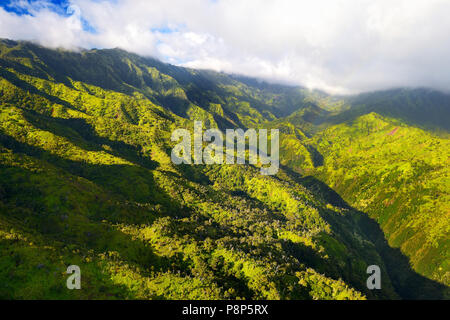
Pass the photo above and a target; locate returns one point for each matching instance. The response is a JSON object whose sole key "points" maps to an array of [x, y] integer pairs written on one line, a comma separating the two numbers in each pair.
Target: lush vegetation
{"points": [[412, 166], [397, 174], [86, 179]]}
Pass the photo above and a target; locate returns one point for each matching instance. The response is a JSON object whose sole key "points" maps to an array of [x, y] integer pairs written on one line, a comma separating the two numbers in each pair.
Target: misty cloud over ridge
{"points": [[345, 46]]}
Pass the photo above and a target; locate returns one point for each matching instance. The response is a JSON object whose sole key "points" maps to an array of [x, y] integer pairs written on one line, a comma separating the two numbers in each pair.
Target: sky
{"points": [[339, 46]]}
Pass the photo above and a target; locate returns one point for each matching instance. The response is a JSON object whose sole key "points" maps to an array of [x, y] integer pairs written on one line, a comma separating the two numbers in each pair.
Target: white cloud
{"points": [[341, 46]]}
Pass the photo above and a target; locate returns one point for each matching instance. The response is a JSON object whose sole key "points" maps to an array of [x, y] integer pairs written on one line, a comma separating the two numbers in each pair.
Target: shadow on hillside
{"points": [[52, 271], [31, 210], [407, 283], [126, 182], [133, 183], [316, 156], [117, 201], [36, 72], [420, 108], [84, 136], [11, 77]]}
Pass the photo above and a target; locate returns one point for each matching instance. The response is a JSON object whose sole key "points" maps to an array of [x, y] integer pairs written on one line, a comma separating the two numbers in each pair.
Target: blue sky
{"points": [[60, 7], [345, 46], [13, 6]]}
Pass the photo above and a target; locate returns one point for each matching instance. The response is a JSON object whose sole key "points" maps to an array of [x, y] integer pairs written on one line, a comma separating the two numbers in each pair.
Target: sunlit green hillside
{"points": [[397, 174], [86, 179], [400, 176]]}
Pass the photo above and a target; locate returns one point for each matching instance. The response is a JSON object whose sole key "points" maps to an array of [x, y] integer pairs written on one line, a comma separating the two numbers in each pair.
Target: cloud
{"points": [[340, 46]]}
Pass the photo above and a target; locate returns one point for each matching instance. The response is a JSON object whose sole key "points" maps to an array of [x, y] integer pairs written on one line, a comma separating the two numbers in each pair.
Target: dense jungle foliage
{"points": [[86, 179]]}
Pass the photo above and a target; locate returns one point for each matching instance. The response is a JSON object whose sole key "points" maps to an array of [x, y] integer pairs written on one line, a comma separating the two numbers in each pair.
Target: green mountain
{"points": [[86, 179], [399, 175], [395, 173], [424, 108]]}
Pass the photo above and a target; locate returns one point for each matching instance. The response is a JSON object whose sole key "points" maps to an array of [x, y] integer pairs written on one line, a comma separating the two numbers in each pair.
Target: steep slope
{"points": [[399, 175], [213, 97], [424, 108], [395, 173], [86, 179]]}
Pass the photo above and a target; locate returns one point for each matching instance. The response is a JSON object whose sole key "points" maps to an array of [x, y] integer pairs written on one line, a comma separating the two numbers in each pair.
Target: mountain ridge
{"points": [[87, 179]]}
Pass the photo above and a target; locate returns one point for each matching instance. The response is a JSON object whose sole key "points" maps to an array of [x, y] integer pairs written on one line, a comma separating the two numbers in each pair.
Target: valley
{"points": [[86, 179]]}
